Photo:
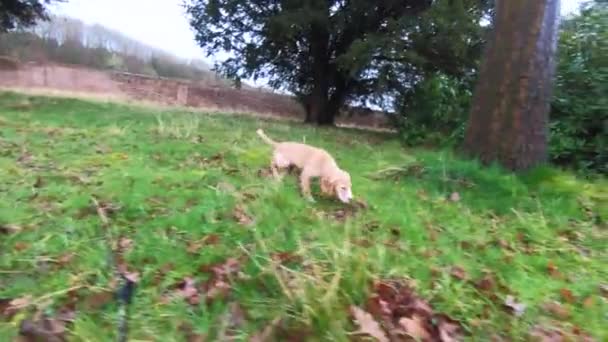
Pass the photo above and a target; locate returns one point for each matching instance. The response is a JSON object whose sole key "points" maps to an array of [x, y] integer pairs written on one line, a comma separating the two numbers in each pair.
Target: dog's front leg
{"points": [[305, 186]]}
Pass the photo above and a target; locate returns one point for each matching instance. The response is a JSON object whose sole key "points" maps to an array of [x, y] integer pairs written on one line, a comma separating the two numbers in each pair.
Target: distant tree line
{"points": [[69, 40]]}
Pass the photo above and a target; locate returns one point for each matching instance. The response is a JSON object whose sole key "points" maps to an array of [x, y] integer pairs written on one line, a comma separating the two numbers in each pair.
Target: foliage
{"points": [[22, 13], [435, 110], [224, 252], [70, 41], [329, 53], [579, 117]]}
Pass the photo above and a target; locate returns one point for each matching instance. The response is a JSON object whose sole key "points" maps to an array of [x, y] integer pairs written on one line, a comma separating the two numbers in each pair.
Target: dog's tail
{"points": [[265, 137]]}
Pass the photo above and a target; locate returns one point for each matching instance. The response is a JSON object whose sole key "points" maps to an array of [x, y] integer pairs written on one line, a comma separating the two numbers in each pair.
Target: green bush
{"points": [[434, 111], [579, 115]]}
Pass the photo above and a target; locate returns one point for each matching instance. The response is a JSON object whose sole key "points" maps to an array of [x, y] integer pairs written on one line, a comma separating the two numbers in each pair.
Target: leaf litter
{"points": [[395, 312]]}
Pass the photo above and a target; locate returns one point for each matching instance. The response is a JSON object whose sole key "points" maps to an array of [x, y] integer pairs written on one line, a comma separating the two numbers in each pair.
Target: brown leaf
{"points": [[458, 273], [241, 216], [10, 228], [97, 300], [449, 329], [553, 270], [486, 283], [415, 327], [65, 259], [367, 324], [195, 246], [542, 334], [285, 257], [557, 310], [516, 308], [9, 307], [20, 246], [48, 329], [124, 244], [604, 290], [567, 295], [589, 302], [187, 290]]}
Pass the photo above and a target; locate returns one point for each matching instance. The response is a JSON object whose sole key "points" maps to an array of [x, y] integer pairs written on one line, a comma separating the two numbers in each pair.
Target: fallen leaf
{"points": [[604, 290], [553, 270], [11, 306], [285, 257], [195, 246], [218, 285], [415, 327], [458, 273], [516, 308], [187, 290], [486, 283], [367, 324], [567, 295], [48, 329], [542, 334], [454, 197], [10, 228], [65, 259], [241, 216], [449, 329], [124, 244], [588, 302], [97, 300], [557, 310], [20, 246]]}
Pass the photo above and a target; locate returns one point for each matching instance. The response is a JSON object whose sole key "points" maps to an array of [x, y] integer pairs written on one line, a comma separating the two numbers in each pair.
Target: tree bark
{"points": [[508, 122]]}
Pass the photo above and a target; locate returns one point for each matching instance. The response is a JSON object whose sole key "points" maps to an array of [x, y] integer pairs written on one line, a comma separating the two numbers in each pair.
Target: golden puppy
{"points": [[313, 162]]}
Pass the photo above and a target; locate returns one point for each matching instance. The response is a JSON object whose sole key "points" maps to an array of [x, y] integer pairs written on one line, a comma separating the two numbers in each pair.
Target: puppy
{"points": [[313, 162]]}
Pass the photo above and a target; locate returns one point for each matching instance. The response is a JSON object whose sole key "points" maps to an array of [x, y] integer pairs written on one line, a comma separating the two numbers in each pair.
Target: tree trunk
{"points": [[508, 122]]}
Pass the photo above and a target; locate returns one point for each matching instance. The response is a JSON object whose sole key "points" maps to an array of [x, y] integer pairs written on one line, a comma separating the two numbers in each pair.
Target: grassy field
{"points": [[221, 251]]}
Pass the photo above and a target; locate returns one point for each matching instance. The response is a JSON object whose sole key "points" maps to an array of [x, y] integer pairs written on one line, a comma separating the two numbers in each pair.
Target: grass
{"points": [[178, 177]]}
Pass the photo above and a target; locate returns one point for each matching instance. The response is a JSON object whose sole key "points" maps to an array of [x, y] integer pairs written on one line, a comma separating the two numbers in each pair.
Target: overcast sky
{"points": [[159, 23]]}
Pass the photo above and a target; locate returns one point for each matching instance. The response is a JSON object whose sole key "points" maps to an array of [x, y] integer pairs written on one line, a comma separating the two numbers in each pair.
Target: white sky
{"points": [[159, 23]]}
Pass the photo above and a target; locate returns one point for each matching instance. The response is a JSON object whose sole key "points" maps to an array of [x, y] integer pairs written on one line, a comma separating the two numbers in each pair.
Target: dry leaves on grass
{"points": [[367, 324], [194, 247], [399, 313], [348, 211], [241, 216], [218, 285], [9, 307], [516, 308], [459, 273], [48, 329], [556, 310], [10, 228]]}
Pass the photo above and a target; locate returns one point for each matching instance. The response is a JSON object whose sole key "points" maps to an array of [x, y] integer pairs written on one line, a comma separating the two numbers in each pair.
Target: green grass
{"points": [[178, 176]]}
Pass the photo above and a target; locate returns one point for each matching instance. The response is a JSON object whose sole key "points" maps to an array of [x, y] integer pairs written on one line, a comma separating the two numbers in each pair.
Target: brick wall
{"points": [[163, 90]]}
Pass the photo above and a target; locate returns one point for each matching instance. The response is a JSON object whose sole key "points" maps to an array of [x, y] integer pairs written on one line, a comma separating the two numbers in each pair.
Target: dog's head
{"points": [[341, 186]]}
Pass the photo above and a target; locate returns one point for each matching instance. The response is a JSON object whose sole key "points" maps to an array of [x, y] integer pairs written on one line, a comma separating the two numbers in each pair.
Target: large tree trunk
{"points": [[508, 122]]}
